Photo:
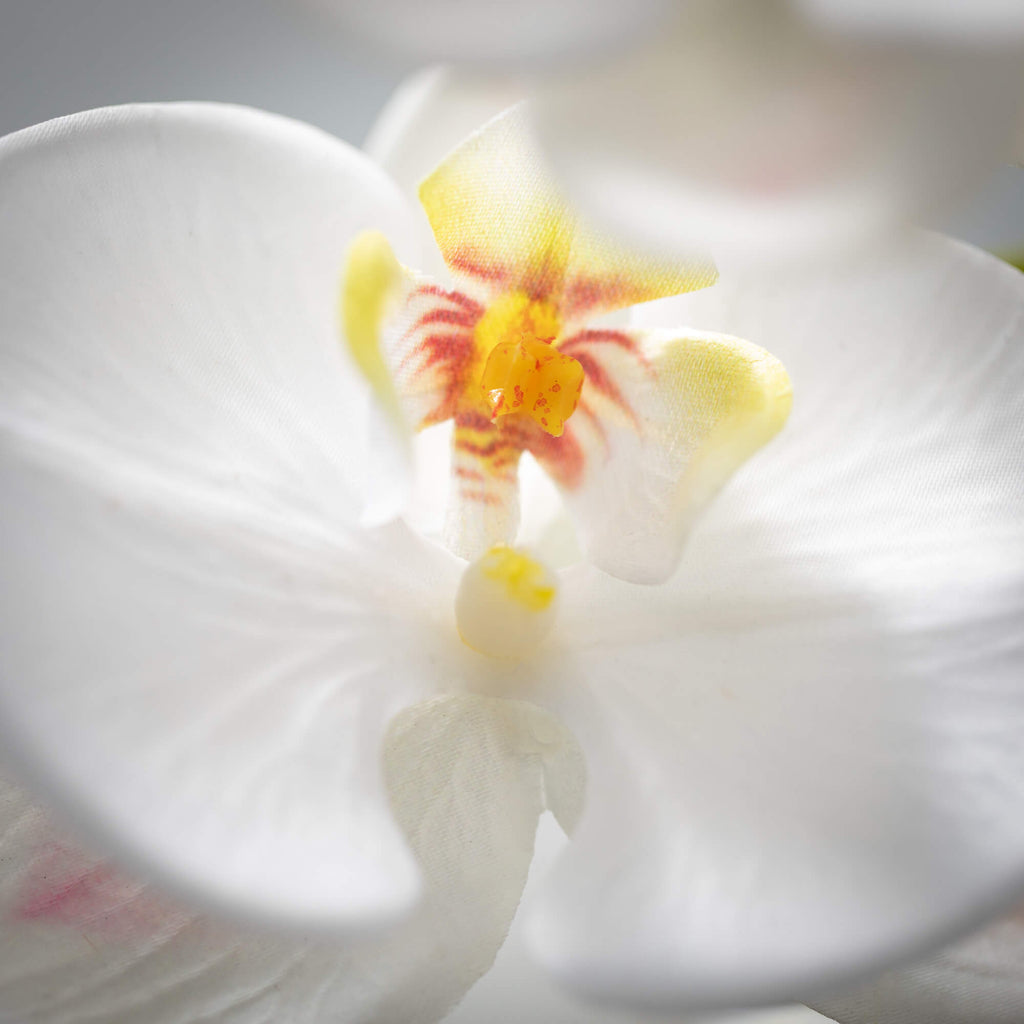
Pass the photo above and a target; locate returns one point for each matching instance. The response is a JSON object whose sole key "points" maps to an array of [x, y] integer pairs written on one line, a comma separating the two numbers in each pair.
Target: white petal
{"points": [[199, 651], [748, 130], [80, 942], [484, 31], [979, 981], [804, 752], [516, 990]]}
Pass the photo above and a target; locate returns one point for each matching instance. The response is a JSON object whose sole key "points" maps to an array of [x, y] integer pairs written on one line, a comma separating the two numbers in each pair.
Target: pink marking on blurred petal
{"points": [[64, 886]]}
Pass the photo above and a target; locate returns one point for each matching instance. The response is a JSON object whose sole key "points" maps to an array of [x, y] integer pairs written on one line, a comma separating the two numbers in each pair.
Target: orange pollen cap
{"points": [[533, 378]]}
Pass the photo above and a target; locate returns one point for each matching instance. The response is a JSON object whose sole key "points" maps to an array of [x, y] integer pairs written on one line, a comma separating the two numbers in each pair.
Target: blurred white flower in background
{"points": [[772, 131], [950, 21], [752, 131]]}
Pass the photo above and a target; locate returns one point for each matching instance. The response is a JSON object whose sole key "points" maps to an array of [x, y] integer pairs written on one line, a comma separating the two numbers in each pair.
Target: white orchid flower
{"points": [[801, 753]]}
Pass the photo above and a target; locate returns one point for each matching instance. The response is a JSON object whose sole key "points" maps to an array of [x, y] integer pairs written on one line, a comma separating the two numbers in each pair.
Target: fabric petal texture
{"points": [[428, 115], [201, 649], [81, 941], [815, 725], [980, 980], [501, 226]]}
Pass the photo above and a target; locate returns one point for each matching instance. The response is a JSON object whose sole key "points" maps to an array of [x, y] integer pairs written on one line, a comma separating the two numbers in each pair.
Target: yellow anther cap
{"points": [[532, 378], [506, 603]]}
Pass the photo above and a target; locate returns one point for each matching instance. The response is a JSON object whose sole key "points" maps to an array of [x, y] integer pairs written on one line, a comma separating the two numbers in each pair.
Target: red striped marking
{"points": [[65, 887], [475, 263], [599, 380], [562, 457], [583, 339], [453, 317], [460, 299]]}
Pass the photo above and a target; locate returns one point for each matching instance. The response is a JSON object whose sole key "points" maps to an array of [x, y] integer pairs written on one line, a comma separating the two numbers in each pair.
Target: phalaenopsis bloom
{"points": [[231, 661]]}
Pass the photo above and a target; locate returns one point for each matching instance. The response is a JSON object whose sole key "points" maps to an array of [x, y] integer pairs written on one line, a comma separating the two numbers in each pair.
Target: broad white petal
{"points": [[979, 981], [804, 752], [751, 131], [82, 942], [516, 990], [509, 31], [200, 652]]}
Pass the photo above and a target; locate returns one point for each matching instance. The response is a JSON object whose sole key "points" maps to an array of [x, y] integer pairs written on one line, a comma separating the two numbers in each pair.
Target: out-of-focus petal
{"points": [[816, 725], [665, 419], [80, 941], [993, 22], [507, 31], [502, 227], [200, 650], [979, 981], [748, 130]]}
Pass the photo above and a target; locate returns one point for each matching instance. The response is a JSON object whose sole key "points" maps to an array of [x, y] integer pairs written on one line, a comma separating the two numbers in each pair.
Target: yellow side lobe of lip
{"points": [[522, 577], [737, 397], [372, 282]]}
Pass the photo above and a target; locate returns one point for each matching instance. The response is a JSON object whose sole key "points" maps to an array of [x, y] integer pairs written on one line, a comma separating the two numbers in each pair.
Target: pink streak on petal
{"points": [[64, 886]]}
